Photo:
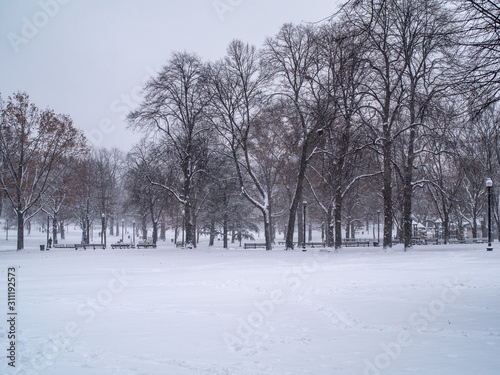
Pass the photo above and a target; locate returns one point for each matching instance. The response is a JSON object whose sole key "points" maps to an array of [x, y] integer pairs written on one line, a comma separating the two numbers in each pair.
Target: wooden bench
{"points": [[89, 245], [63, 246], [254, 245], [315, 244], [146, 245], [122, 245], [356, 243]]}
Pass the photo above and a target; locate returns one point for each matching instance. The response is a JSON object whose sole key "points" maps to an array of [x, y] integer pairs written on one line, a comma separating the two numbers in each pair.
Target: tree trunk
{"points": [[188, 226], [195, 228], [300, 228], [155, 232], [387, 190], [338, 218], [212, 233], [20, 230], [297, 196], [144, 228], [225, 232], [63, 232], [267, 231], [408, 176], [111, 225], [162, 231], [88, 230], [329, 227], [446, 228], [54, 229]]}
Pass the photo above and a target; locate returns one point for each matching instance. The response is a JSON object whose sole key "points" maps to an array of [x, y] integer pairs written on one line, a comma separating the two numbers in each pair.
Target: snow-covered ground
{"points": [[432, 310]]}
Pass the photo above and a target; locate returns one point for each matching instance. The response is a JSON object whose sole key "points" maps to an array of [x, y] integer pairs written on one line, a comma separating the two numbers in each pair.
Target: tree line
{"points": [[387, 106]]}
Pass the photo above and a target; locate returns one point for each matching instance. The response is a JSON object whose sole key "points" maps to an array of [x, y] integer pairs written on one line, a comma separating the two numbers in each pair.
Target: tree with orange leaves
{"points": [[33, 143]]}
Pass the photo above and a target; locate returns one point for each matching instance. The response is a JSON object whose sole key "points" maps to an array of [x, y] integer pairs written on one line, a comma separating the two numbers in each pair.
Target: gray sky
{"points": [[89, 58]]}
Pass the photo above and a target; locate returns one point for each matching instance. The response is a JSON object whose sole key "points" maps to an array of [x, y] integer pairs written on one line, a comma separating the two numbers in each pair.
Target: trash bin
{"points": [[42, 247]]}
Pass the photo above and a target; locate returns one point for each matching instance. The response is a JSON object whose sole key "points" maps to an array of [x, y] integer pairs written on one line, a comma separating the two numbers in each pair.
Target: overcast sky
{"points": [[89, 58]]}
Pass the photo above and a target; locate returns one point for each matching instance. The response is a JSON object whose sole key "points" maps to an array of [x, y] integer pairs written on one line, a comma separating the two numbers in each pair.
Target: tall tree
{"points": [[426, 33], [238, 90], [175, 106], [481, 50], [32, 143], [343, 71], [292, 57], [384, 97], [144, 164]]}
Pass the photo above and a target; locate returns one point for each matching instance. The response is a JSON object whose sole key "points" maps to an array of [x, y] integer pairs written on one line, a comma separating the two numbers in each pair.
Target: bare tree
{"points": [[481, 56], [174, 106], [238, 84], [144, 164], [342, 79], [292, 57], [425, 31], [384, 96]]}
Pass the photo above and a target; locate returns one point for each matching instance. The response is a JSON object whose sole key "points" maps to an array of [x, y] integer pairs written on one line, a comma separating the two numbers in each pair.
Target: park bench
{"points": [[146, 245], [254, 245], [90, 246], [63, 246], [356, 243], [477, 240], [315, 244], [122, 245]]}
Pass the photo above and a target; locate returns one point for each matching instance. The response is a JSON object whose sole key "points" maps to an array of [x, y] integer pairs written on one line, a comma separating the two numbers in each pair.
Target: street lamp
{"points": [[489, 184], [123, 228], [378, 227], [304, 204]]}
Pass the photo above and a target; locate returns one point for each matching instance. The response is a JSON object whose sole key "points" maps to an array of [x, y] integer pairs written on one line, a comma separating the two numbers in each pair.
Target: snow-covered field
{"points": [[433, 310]]}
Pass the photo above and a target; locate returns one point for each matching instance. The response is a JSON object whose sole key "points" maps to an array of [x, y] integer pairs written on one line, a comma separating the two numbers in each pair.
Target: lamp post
{"points": [[489, 184], [378, 227], [304, 204], [123, 228], [133, 232]]}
